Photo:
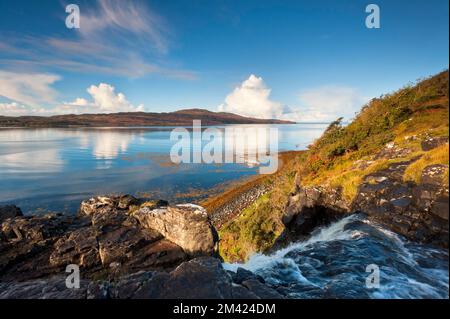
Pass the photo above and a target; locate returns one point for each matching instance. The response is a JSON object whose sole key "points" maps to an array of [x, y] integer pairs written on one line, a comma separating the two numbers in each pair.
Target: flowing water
{"points": [[333, 264]]}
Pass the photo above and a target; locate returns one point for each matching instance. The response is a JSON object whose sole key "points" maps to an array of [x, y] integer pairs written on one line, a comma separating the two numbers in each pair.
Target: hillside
{"points": [[178, 118], [390, 162]]}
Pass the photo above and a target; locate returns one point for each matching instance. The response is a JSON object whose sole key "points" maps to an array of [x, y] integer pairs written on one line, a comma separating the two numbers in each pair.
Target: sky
{"points": [[308, 61]]}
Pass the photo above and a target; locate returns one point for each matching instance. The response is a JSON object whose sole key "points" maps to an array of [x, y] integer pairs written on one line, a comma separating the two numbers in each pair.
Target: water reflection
{"points": [[55, 169]]}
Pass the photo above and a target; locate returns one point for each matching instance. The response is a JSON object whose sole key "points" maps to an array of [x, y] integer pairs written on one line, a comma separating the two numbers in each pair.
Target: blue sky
{"points": [[305, 60]]}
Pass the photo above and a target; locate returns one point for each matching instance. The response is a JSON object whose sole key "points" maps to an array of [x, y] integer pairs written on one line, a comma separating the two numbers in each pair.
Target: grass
{"points": [[439, 155]]}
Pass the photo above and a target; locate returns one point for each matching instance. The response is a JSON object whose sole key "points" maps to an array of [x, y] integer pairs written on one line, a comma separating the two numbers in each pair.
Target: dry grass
{"points": [[439, 155]]}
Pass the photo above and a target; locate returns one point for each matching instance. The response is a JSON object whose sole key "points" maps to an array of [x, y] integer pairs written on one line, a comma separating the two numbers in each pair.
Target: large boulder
{"points": [[188, 226], [115, 240]]}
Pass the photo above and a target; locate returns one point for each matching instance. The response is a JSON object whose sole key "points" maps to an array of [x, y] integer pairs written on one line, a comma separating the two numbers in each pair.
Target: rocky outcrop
{"points": [[416, 211], [199, 278], [186, 225], [125, 248], [110, 237]]}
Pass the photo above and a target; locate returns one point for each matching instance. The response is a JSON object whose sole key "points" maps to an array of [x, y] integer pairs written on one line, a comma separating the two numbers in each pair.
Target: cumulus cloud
{"points": [[28, 88], [323, 104], [252, 98], [104, 99], [327, 103]]}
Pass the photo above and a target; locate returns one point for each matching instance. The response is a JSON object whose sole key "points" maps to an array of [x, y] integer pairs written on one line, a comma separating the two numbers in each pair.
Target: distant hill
{"points": [[178, 118]]}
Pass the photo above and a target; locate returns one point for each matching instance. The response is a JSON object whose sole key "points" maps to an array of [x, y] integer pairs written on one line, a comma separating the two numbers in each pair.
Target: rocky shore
{"points": [[125, 248], [417, 211]]}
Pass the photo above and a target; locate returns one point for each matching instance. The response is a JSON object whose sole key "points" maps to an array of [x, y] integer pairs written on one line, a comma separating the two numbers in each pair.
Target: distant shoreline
{"points": [[133, 119]]}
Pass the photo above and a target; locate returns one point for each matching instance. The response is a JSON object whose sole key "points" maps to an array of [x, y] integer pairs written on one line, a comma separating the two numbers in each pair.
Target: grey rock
{"points": [[186, 225]]}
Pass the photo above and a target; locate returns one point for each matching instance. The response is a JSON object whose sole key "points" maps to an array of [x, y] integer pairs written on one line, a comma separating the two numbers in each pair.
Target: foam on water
{"points": [[332, 263]]}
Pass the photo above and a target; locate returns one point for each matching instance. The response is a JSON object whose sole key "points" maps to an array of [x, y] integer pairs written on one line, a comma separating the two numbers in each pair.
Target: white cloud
{"points": [[104, 100], [13, 109], [252, 98], [322, 104], [28, 88], [327, 103], [127, 17], [125, 38]]}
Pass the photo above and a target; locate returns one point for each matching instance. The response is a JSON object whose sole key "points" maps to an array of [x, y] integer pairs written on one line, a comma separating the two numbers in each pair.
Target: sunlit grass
{"points": [[439, 155]]}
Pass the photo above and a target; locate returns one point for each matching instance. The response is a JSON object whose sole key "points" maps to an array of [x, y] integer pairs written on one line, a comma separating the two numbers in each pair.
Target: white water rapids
{"points": [[332, 264]]}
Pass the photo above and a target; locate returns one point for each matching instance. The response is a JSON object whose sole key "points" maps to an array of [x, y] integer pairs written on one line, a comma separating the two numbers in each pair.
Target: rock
{"points": [[51, 288], [120, 244], [407, 208], [160, 254], [78, 247], [434, 174], [103, 204], [54, 288], [308, 208], [97, 205], [240, 292], [440, 208], [242, 275], [234, 205], [34, 228], [199, 278], [432, 142], [129, 285], [9, 211], [261, 290], [392, 150], [186, 225]]}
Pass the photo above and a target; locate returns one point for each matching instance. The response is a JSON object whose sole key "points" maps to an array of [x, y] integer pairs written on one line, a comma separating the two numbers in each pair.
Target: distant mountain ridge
{"points": [[177, 118]]}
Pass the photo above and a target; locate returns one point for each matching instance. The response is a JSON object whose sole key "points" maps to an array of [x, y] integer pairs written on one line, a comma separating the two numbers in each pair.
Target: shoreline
{"points": [[238, 195]]}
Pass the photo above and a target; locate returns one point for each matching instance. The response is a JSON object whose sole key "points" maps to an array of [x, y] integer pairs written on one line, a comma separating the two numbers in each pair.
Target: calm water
{"points": [[55, 169]]}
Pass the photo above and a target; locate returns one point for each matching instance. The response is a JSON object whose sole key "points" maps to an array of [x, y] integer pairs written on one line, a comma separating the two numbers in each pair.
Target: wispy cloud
{"points": [[124, 38], [28, 88], [124, 18], [327, 103]]}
